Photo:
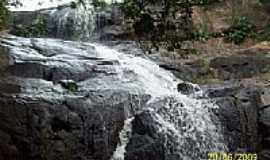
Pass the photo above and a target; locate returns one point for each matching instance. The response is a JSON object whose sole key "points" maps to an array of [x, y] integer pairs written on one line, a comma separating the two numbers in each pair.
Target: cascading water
{"points": [[187, 124], [188, 120], [124, 136], [73, 23]]}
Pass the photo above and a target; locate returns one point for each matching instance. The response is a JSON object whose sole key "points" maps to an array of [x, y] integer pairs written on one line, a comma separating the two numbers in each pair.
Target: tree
{"points": [[170, 23], [4, 12]]}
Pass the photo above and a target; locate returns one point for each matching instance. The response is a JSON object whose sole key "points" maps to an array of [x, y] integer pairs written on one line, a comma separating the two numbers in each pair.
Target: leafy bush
{"points": [[201, 35], [239, 31], [99, 3], [131, 8], [266, 4], [73, 5], [264, 34], [37, 29], [4, 13]]}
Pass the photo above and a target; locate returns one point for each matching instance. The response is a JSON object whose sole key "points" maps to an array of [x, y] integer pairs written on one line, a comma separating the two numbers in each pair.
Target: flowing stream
{"points": [[187, 124]]}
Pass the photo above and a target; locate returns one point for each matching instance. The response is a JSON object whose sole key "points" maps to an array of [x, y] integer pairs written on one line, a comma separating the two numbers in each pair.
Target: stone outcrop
{"points": [[65, 22], [42, 119], [52, 107]]}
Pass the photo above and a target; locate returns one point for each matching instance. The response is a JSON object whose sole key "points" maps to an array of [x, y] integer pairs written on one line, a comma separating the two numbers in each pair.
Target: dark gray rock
{"points": [[40, 119], [61, 22], [239, 113], [73, 128], [145, 142], [69, 85], [79, 23], [265, 117], [221, 90], [264, 155], [244, 66], [187, 88], [229, 116]]}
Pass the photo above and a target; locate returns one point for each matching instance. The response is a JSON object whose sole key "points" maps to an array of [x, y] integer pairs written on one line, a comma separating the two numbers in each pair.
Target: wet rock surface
{"points": [[65, 22], [241, 66], [66, 99], [79, 23], [187, 88], [44, 117]]}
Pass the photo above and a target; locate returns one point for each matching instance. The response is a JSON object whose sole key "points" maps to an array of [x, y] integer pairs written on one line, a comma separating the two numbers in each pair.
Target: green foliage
{"points": [[73, 5], [265, 3], [4, 14], [201, 35], [131, 8], [37, 29], [70, 86], [264, 34], [168, 21], [239, 31], [99, 3], [206, 2]]}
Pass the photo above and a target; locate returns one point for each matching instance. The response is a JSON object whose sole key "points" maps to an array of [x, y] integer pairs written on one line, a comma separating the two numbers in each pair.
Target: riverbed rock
{"points": [[187, 88], [265, 117], [40, 119], [239, 107], [237, 67], [57, 22], [69, 85]]}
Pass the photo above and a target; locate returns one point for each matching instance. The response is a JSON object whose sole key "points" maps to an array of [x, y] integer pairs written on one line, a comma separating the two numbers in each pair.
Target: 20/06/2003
{"points": [[232, 156]]}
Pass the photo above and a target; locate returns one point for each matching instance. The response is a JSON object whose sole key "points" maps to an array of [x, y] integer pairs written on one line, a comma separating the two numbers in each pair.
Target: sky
{"points": [[31, 5]]}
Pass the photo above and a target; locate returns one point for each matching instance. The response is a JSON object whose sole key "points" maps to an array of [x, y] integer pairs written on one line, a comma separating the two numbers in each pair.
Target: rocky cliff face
{"points": [[78, 100], [71, 23], [65, 22], [72, 100], [40, 119]]}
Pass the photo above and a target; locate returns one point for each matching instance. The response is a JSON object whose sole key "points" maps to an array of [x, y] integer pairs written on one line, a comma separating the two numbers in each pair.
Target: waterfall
{"points": [[72, 23], [124, 136], [186, 124], [189, 120]]}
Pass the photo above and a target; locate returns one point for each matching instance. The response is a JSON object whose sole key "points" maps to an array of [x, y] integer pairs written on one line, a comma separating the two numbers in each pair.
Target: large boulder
{"points": [[54, 105], [71, 23], [239, 107], [66, 22], [63, 99], [241, 66], [265, 117]]}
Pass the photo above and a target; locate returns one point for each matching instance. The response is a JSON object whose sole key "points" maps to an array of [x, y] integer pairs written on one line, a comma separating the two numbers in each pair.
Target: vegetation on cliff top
{"points": [[168, 21], [3, 14]]}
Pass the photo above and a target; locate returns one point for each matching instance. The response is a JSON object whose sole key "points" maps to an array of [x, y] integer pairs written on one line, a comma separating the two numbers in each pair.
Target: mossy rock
{"points": [[69, 85], [4, 59], [38, 28]]}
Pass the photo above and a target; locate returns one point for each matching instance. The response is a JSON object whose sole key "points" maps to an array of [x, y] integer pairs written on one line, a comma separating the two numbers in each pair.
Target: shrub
{"points": [[37, 29], [4, 14], [73, 5], [201, 35], [99, 3], [239, 31], [264, 34]]}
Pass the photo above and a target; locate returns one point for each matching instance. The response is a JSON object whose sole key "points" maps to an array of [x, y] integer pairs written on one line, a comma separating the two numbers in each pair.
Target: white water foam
{"points": [[186, 118], [124, 136]]}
